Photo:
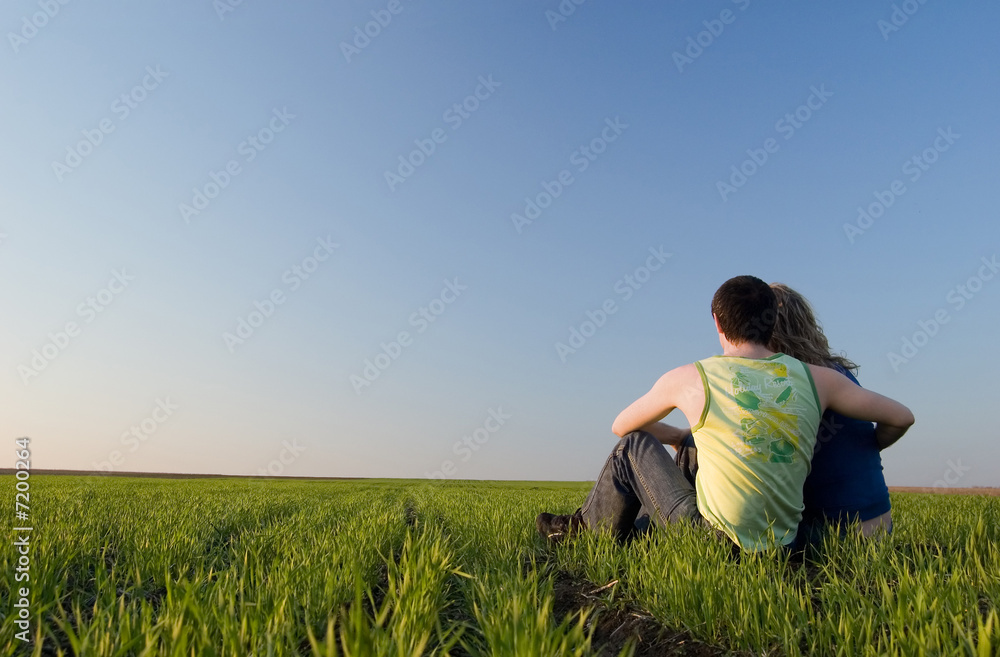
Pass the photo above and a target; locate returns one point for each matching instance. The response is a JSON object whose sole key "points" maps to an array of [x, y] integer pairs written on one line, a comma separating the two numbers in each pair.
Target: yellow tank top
{"points": [[755, 442]]}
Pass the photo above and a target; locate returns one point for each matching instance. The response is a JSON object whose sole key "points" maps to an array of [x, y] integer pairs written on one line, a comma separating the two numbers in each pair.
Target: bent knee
{"points": [[637, 438]]}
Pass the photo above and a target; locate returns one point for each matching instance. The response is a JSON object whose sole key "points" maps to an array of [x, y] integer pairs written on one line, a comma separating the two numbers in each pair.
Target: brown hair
{"points": [[798, 333], [746, 308]]}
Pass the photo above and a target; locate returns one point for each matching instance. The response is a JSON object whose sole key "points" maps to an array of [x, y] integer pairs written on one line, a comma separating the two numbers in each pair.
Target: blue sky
{"points": [[312, 121]]}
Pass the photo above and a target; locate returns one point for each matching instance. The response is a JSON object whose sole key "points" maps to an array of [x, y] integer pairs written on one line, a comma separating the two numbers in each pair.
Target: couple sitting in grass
{"points": [[774, 404]]}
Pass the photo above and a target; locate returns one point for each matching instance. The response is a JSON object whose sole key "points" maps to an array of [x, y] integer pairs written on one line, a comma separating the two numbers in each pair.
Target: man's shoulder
{"points": [[680, 377], [686, 371], [682, 387]]}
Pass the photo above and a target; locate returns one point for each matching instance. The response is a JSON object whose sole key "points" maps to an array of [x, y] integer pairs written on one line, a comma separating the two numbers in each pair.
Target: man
{"points": [[754, 415]]}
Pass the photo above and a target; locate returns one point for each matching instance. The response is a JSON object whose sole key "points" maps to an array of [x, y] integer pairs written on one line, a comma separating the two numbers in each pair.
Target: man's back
{"points": [[755, 440]]}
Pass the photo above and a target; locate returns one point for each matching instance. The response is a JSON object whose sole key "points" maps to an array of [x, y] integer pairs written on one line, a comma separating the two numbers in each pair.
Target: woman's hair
{"points": [[798, 334]]}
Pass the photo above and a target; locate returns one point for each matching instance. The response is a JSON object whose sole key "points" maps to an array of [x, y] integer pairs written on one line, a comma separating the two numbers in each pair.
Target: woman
{"points": [[846, 484]]}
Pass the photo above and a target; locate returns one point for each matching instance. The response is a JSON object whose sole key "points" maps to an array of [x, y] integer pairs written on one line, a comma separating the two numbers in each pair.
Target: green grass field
{"points": [[263, 567]]}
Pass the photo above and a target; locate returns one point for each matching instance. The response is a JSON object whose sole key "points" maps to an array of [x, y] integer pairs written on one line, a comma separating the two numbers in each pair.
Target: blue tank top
{"points": [[846, 481]]}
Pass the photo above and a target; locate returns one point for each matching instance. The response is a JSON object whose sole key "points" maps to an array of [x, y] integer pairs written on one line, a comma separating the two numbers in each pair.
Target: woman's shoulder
{"points": [[843, 370]]}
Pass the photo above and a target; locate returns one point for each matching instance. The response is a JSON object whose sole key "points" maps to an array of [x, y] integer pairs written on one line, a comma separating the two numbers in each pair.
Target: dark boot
{"points": [[556, 528]]}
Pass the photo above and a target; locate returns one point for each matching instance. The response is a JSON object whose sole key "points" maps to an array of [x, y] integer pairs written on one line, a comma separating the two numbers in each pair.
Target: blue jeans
{"points": [[640, 476]]}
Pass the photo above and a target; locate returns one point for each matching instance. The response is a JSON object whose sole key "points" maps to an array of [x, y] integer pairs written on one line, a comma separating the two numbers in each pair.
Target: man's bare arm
{"points": [[840, 394], [886, 434], [665, 433], [656, 404]]}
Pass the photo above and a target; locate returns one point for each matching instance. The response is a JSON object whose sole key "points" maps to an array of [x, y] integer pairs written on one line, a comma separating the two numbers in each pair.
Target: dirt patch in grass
{"points": [[410, 513], [615, 627]]}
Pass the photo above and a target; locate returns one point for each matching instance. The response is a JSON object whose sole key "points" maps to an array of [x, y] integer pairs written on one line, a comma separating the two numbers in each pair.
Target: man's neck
{"points": [[746, 350]]}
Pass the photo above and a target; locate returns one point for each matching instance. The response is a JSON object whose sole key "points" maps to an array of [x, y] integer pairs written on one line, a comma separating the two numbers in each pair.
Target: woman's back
{"points": [[845, 483]]}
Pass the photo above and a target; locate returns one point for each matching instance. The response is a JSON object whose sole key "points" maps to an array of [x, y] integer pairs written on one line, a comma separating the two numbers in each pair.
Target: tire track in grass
{"points": [[402, 613], [629, 614], [288, 577], [624, 630], [454, 612], [333, 544], [507, 600]]}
